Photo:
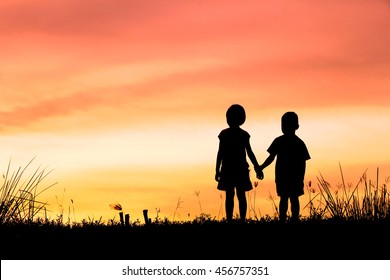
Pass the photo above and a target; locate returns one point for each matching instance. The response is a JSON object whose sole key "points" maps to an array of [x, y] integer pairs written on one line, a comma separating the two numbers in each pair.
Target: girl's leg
{"points": [[229, 204], [294, 200], [242, 204], [283, 205]]}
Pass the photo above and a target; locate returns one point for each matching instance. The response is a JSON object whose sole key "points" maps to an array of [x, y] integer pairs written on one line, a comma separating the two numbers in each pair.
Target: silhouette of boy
{"points": [[291, 155], [232, 168]]}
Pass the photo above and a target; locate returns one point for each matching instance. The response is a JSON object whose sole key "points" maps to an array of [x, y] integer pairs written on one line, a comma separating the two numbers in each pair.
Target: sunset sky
{"points": [[123, 100]]}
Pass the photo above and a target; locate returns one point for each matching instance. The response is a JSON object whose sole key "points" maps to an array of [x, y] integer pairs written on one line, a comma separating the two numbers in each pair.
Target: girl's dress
{"points": [[235, 168]]}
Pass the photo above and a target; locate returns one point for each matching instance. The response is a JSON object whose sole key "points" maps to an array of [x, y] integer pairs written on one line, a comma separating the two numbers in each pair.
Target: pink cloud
{"points": [[322, 82], [149, 30], [311, 53], [75, 17]]}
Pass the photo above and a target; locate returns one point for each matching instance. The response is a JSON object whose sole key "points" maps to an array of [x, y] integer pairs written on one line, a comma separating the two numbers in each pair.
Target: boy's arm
{"points": [[267, 161], [259, 168]]}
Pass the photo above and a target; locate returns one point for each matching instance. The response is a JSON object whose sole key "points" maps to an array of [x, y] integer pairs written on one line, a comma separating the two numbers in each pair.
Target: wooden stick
{"points": [[121, 218], [147, 220]]}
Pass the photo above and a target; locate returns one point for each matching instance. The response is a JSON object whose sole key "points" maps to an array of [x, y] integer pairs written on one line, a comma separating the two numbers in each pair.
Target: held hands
{"points": [[260, 175], [259, 172]]}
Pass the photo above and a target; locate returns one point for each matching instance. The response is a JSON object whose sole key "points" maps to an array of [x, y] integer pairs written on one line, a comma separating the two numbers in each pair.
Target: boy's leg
{"points": [[242, 204], [229, 204], [294, 208], [283, 205]]}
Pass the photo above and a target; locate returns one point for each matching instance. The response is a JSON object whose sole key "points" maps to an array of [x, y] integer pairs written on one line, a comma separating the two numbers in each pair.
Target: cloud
{"points": [[48, 108], [74, 17], [199, 90], [150, 30], [132, 59]]}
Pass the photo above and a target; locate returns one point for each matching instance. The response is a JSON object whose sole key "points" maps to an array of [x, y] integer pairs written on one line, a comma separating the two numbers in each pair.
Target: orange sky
{"points": [[125, 100]]}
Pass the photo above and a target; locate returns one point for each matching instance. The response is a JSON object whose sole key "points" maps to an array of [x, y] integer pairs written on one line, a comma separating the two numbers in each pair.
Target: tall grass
{"points": [[19, 194], [366, 200]]}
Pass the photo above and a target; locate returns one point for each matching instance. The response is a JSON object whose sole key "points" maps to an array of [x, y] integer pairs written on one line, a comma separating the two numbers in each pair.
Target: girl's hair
{"points": [[235, 115]]}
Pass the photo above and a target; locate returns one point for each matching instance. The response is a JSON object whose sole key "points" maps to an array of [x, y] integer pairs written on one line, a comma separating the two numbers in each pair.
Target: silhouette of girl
{"points": [[232, 168]]}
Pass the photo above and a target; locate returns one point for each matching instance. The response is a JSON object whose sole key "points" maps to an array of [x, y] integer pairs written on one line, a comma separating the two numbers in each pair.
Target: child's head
{"points": [[289, 122], [235, 115]]}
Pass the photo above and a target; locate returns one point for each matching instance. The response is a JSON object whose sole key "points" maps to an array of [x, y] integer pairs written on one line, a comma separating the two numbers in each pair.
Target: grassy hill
{"points": [[308, 239]]}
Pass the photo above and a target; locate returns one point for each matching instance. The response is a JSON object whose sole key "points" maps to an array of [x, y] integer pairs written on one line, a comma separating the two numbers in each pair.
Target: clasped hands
{"points": [[259, 172]]}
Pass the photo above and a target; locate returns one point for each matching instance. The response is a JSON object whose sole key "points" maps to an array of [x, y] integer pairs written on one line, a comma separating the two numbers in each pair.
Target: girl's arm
{"points": [[251, 155], [218, 164]]}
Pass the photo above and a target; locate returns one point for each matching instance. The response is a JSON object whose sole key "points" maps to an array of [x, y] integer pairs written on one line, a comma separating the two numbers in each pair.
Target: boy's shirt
{"points": [[291, 155]]}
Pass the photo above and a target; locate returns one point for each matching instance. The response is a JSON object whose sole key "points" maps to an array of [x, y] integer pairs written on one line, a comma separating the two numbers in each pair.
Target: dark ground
{"points": [[328, 240]]}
